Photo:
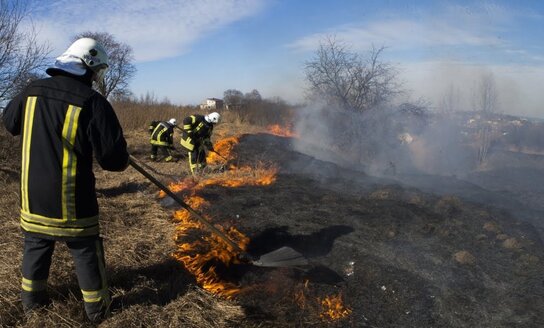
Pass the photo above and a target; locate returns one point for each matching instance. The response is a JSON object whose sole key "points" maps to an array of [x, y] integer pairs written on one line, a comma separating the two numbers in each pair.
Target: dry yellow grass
{"points": [[402, 240], [149, 288]]}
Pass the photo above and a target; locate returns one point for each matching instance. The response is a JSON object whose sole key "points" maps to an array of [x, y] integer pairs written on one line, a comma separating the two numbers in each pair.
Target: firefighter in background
{"points": [[63, 122], [196, 134], [162, 137]]}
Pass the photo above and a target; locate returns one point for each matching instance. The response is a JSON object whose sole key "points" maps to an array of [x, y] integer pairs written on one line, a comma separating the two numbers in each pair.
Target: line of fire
{"points": [[210, 260]]}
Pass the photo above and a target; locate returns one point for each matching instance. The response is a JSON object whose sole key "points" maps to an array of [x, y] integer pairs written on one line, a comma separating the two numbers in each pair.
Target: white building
{"points": [[212, 103]]}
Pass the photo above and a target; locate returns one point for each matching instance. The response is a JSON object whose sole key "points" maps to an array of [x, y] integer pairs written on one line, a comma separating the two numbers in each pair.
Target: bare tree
{"points": [[486, 97], [349, 80], [451, 101], [121, 69], [233, 98], [253, 97], [21, 56], [486, 104]]}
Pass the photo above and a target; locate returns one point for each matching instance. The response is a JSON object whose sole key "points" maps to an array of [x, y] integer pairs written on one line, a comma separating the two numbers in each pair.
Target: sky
{"points": [[186, 51]]}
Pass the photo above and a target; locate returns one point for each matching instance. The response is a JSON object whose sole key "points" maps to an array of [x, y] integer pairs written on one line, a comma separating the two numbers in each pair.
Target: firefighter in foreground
{"points": [[63, 122], [196, 134], [162, 137]]}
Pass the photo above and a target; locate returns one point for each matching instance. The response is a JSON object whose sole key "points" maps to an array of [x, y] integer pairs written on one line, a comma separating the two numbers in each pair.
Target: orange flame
{"points": [[278, 130], [223, 147], [333, 308], [201, 256], [186, 184], [243, 176]]}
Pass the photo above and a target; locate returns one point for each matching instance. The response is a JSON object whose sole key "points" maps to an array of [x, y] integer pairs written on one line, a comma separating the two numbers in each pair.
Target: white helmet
{"points": [[172, 121], [213, 118], [91, 53]]}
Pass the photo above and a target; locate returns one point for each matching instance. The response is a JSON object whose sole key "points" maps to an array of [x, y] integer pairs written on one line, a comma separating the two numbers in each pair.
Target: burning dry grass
{"points": [[259, 175], [200, 256], [138, 243], [223, 148], [402, 239], [282, 131], [201, 252], [329, 308], [334, 308]]}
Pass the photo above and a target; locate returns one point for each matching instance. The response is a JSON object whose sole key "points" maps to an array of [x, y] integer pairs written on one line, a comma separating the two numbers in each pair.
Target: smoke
{"points": [[517, 86], [395, 140], [440, 149]]}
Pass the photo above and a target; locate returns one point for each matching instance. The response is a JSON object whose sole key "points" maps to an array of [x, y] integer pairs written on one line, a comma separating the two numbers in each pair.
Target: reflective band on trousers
{"points": [[33, 285], [91, 296]]}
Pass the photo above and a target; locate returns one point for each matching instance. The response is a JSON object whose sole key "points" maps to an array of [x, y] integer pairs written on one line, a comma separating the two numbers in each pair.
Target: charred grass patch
{"points": [[397, 256]]}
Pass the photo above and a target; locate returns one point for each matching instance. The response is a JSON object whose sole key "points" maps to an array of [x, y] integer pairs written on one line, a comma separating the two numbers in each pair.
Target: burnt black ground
{"points": [[401, 254], [420, 258]]}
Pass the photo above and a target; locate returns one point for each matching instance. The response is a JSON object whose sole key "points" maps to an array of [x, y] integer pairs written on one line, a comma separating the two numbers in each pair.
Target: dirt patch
{"points": [[511, 243], [492, 227], [464, 257]]}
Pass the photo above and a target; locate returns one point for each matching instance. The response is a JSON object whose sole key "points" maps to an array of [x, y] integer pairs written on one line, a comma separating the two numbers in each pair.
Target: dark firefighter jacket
{"points": [[196, 132], [62, 122], [152, 126], [163, 134]]}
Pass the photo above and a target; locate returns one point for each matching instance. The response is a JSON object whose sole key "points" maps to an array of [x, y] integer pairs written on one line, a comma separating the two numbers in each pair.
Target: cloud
{"points": [[154, 29], [400, 34], [483, 29], [452, 47]]}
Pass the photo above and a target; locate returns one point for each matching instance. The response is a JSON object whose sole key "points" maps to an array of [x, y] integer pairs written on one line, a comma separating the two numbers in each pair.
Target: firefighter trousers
{"points": [[197, 159], [88, 257], [168, 156]]}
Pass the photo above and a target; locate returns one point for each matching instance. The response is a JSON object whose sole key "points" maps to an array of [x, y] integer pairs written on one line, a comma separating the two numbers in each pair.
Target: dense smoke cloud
{"points": [[384, 141]]}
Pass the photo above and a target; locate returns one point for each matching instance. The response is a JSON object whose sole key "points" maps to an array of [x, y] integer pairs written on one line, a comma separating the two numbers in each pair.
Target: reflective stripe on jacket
{"points": [[196, 131], [162, 135], [62, 123]]}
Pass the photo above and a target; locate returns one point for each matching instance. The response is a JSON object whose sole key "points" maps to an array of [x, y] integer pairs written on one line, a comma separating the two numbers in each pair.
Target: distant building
{"points": [[212, 104]]}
